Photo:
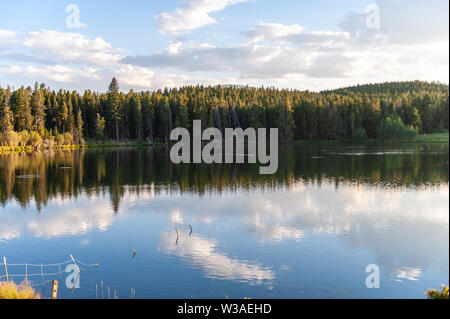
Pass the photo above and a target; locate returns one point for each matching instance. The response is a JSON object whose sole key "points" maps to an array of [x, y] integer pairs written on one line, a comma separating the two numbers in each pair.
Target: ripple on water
{"points": [[27, 176]]}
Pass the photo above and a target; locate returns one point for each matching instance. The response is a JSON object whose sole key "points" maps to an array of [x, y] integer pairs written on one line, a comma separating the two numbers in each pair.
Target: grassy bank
{"points": [[10, 290], [114, 143], [88, 144], [431, 138], [92, 143], [426, 138]]}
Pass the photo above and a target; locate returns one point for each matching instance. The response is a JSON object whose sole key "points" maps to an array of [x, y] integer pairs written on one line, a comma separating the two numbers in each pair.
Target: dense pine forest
{"points": [[41, 117]]}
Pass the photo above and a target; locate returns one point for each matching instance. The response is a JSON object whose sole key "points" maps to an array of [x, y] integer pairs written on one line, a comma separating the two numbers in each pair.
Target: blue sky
{"points": [[286, 43]]}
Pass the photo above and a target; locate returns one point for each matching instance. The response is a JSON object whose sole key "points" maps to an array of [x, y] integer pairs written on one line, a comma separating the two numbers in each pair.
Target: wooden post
{"points": [[55, 289], [6, 269]]}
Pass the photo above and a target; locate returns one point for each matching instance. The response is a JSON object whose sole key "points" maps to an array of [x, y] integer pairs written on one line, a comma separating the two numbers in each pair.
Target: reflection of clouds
{"points": [[85, 242], [408, 273], [71, 221], [320, 209], [400, 226], [60, 218], [175, 217], [67, 216], [8, 229], [202, 253], [274, 231]]}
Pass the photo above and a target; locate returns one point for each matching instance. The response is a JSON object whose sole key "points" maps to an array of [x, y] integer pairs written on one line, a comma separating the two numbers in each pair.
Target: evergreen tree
{"points": [[354, 112], [114, 104], [6, 116], [100, 128], [38, 109], [285, 123], [78, 132], [20, 105]]}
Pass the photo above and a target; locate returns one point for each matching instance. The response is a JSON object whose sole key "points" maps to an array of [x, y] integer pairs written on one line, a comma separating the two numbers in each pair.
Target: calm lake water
{"points": [[307, 232]]}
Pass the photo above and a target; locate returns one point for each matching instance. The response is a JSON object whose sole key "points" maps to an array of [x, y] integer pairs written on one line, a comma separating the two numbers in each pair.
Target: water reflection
{"points": [[325, 204], [202, 252], [68, 173]]}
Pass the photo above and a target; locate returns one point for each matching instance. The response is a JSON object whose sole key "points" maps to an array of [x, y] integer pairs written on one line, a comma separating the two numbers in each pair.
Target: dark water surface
{"points": [[308, 231]]}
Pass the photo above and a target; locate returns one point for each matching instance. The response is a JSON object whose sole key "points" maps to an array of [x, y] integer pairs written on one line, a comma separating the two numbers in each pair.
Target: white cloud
{"points": [[272, 31], [401, 22], [250, 60], [411, 43], [71, 47], [294, 34], [58, 73], [291, 56], [173, 48], [143, 78], [72, 58], [192, 15], [6, 35], [7, 39]]}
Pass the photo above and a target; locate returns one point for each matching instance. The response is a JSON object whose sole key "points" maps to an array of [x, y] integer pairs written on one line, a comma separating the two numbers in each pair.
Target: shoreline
{"points": [[421, 139]]}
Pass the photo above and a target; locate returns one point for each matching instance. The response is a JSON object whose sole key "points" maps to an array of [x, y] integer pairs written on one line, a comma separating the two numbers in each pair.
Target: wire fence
{"points": [[27, 270]]}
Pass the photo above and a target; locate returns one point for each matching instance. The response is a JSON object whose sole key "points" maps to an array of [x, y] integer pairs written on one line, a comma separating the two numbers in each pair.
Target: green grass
{"points": [[90, 143], [426, 138], [113, 143], [431, 138], [10, 290]]}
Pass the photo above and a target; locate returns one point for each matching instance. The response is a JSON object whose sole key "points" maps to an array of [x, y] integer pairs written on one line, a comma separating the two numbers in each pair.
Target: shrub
{"points": [[49, 142], [24, 138], [59, 140], [360, 133], [68, 138], [35, 139], [10, 139], [9, 290], [435, 294], [393, 127]]}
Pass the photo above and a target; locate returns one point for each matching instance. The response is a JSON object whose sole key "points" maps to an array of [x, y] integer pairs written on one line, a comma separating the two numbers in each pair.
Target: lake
{"points": [[224, 231]]}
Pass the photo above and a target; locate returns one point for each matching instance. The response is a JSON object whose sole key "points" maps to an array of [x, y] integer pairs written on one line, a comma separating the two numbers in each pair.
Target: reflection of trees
{"points": [[67, 173]]}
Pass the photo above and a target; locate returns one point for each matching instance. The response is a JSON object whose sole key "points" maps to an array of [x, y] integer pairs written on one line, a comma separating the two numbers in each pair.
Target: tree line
{"points": [[32, 116]]}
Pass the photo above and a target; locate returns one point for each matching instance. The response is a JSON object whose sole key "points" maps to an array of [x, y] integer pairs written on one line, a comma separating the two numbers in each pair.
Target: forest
{"points": [[41, 117]]}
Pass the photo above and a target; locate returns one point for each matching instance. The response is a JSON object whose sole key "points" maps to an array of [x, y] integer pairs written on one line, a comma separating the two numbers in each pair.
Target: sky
{"points": [[295, 44]]}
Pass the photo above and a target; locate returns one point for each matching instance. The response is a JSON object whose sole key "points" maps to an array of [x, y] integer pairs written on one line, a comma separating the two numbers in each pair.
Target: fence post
{"points": [[73, 260], [75, 282], [6, 268], [55, 289]]}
